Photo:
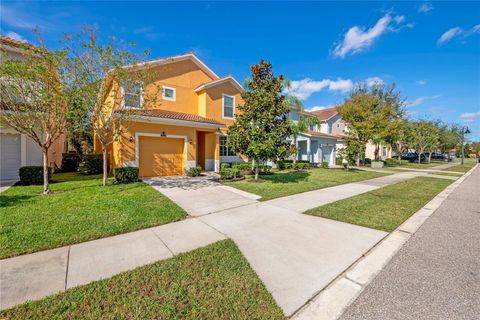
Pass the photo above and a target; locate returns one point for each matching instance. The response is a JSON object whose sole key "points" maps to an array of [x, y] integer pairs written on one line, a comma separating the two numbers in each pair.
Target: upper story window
{"points": [[132, 94], [312, 127], [224, 150], [169, 93], [228, 106]]}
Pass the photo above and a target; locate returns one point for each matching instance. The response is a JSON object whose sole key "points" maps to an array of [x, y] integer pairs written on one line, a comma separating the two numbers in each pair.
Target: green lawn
{"points": [[385, 208], [461, 167], [284, 183], [414, 165], [213, 282], [445, 173], [80, 209]]}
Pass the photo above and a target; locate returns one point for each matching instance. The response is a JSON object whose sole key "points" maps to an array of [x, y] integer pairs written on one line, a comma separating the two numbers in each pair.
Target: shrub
{"points": [[70, 162], [338, 161], [194, 171], [394, 162], [263, 168], [126, 174], [225, 165], [367, 161], [242, 166], [32, 175], [324, 165], [288, 165], [280, 165], [93, 164]]}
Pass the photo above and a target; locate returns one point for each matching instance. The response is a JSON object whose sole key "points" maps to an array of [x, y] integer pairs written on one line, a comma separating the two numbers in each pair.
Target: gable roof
{"points": [[325, 114], [325, 135], [213, 83], [181, 57]]}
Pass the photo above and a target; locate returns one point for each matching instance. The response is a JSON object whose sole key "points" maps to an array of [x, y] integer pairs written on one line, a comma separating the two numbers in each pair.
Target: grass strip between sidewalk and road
{"points": [[213, 282], [288, 182], [461, 167], [385, 208], [79, 209]]}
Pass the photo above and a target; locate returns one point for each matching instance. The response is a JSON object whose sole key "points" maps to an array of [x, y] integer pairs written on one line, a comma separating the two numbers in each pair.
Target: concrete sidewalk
{"points": [[294, 254], [436, 274]]}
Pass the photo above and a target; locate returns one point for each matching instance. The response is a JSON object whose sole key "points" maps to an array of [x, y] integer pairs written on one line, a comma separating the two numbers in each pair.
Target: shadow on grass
{"points": [[288, 177], [8, 201]]}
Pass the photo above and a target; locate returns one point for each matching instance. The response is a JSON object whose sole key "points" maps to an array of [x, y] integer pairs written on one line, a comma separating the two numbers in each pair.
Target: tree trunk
{"points": [[253, 164], [358, 160], [429, 156], [420, 157], [296, 150], [256, 170], [105, 169], [377, 150], [46, 184]]}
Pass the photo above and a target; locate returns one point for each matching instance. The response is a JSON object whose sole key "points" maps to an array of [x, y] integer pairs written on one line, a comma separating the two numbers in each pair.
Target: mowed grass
{"points": [[386, 208], [461, 167], [415, 165], [213, 282], [80, 209], [285, 183]]}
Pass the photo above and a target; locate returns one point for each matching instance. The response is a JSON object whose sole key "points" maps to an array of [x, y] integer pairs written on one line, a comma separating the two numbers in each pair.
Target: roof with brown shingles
{"points": [[325, 114], [326, 135], [159, 113]]}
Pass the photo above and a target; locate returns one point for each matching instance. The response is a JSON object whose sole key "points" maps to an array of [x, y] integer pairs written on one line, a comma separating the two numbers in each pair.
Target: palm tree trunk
{"points": [[296, 149]]}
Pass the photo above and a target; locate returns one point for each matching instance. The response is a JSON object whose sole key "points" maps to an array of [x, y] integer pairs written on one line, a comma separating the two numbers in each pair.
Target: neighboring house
{"points": [[185, 127], [315, 145], [16, 149], [333, 124]]}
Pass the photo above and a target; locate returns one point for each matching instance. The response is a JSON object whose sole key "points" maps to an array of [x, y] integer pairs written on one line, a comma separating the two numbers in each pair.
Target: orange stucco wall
{"points": [[184, 77], [214, 101], [124, 150]]}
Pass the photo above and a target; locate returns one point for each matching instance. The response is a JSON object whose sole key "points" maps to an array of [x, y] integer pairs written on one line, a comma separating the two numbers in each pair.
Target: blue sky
{"points": [[431, 50]]}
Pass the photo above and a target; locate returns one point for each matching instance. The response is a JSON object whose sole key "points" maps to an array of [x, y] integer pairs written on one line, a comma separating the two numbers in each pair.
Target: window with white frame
{"points": [[169, 93], [132, 94], [228, 106], [224, 150], [313, 127]]}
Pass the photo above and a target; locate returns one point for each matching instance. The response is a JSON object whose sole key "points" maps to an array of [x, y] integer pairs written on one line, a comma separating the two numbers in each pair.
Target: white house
{"points": [[16, 149]]}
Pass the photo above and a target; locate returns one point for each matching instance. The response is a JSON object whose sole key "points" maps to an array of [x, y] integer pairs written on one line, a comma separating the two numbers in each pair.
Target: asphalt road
{"points": [[436, 275]]}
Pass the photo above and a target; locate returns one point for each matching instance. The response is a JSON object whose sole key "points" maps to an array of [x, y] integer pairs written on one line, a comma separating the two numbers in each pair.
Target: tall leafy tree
{"points": [[262, 128], [373, 114], [94, 78], [32, 99]]}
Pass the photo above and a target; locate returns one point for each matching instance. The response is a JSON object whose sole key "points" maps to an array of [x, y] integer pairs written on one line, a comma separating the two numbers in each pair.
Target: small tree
{"points": [[424, 136], [262, 128], [32, 100], [94, 78]]}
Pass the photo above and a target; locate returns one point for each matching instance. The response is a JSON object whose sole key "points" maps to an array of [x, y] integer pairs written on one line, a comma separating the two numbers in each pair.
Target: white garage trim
{"points": [[159, 135], [23, 144]]}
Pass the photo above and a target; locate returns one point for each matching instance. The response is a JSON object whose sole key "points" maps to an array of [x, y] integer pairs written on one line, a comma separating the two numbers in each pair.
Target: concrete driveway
{"points": [[295, 255], [201, 195]]}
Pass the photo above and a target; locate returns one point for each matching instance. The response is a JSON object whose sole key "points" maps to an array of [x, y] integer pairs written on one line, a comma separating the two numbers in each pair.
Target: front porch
{"points": [[316, 149]]}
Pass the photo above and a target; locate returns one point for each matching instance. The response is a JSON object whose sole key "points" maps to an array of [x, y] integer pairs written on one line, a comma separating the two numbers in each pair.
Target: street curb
{"points": [[331, 302]]}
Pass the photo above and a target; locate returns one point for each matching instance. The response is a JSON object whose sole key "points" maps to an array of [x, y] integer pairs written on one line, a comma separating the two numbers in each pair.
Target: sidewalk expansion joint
{"points": [[68, 263], [404, 231], [349, 279], [158, 237]]}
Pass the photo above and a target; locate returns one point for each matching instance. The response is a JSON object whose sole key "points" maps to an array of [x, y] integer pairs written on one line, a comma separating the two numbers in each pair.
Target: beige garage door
{"points": [[160, 156]]}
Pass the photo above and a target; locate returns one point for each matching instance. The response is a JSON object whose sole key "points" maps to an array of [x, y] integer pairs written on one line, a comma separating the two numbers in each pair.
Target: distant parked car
{"points": [[439, 156], [412, 156]]}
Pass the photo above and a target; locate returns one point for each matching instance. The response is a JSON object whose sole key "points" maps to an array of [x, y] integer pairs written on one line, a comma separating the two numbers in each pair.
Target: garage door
{"points": [[10, 158], [160, 156]]}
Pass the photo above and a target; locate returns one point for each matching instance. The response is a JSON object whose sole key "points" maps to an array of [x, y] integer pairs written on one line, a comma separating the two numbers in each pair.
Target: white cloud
{"points": [[449, 35], [303, 89], [420, 100], [358, 39], [373, 81], [316, 108], [470, 115], [425, 7], [469, 120], [422, 82], [15, 36]]}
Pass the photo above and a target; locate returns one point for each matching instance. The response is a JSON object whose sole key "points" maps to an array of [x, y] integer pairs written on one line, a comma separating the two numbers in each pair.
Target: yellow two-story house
{"points": [[183, 128]]}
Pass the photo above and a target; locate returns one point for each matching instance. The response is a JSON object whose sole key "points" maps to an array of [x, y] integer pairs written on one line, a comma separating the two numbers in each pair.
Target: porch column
{"points": [[309, 154], [217, 153]]}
